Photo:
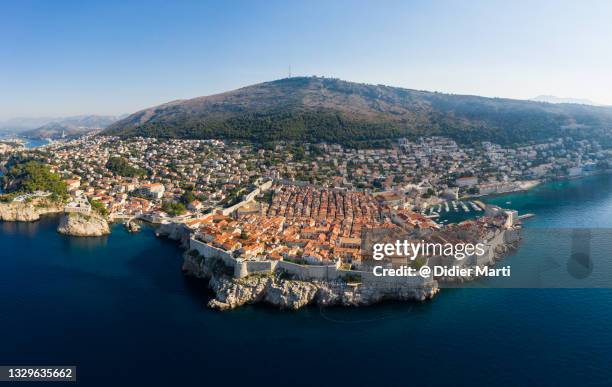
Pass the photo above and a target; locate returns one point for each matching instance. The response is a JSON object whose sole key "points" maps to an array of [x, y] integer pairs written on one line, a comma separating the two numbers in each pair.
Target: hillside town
{"points": [[217, 174], [305, 203]]}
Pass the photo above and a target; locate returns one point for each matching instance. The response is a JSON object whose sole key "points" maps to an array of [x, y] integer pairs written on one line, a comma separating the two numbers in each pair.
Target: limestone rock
{"points": [[175, 231], [288, 293], [83, 225], [27, 212]]}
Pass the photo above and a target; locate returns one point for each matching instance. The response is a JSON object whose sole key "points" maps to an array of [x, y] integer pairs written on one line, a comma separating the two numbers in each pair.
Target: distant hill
{"points": [[19, 124], [553, 99], [321, 109], [70, 126]]}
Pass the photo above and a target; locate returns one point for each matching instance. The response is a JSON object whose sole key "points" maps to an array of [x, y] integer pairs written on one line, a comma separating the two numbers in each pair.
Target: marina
{"points": [[456, 211]]}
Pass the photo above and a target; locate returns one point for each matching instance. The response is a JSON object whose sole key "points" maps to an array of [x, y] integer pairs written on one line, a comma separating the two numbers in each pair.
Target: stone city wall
{"points": [[243, 268]]}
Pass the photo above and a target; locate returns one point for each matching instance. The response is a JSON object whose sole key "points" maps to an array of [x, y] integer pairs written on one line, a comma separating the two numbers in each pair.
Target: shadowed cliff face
{"points": [[331, 110]]}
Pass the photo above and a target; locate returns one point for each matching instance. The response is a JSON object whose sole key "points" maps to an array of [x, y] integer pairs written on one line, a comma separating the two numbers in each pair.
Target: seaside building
{"points": [[79, 205]]}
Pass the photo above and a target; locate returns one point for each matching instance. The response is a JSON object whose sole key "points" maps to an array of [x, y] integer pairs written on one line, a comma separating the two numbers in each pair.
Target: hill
{"points": [[70, 126], [554, 99], [321, 109]]}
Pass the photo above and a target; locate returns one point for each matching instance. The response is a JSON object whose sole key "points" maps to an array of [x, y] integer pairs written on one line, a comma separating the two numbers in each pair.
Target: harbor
{"points": [[454, 210]]}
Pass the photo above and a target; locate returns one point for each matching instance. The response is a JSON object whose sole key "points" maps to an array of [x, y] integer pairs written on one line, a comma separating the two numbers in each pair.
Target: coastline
{"points": [[28, 212], [72, 224], [541, 183], [289, 285], [287, 293], [285, 288]]}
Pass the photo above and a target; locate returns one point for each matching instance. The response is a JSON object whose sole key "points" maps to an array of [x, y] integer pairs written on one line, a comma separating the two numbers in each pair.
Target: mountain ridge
{"points": [[70, 126], [555, 99], [316, 109]]}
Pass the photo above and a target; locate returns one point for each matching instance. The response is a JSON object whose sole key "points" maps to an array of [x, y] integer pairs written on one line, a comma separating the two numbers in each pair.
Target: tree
{"points": [[187, 197], [98, 207], [31, 176], [122, 167], [173, 209]]}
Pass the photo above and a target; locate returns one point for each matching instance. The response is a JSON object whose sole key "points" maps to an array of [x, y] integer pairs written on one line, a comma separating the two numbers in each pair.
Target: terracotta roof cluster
{"points": [[309, 224]]}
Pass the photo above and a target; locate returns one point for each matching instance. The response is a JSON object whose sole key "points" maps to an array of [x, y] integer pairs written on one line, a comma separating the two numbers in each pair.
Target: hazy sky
{"points": [[73, 57]]}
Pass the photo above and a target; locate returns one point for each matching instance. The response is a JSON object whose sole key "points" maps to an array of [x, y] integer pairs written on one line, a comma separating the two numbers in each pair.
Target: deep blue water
{"points": [[121, 311]]}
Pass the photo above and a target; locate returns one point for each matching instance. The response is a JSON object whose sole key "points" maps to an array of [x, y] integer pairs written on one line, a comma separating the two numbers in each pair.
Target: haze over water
{"points": [[121, 311]]}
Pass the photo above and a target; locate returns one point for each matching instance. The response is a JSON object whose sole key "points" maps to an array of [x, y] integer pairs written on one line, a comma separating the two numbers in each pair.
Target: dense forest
{"points": [[30, 176], [330, 110]]}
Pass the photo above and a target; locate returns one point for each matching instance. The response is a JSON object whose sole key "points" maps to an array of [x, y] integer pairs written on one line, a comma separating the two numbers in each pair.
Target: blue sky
{"points": [[62, 58]]}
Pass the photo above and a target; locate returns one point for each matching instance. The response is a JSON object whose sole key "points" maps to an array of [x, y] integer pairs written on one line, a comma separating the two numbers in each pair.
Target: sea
{"points": [[120, 310], [35, 142], [28, 142]]}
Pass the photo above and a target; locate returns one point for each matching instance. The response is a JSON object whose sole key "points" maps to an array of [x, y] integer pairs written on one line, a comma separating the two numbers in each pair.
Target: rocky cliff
{"points": [[175, 231], [290, 293], [27, 212], [83, 225]]}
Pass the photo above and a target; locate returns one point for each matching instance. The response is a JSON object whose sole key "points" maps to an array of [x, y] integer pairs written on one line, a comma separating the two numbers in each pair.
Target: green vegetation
{"points": [[418, 262], [352, 278], [31, 176], [187, 197], [232, 198], [173, 209], [122, 167], [359, 115], [98, 207], [266, 197]]}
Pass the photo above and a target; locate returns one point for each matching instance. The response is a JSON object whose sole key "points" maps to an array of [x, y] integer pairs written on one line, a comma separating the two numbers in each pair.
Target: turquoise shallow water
{"points": [[120, 309]]}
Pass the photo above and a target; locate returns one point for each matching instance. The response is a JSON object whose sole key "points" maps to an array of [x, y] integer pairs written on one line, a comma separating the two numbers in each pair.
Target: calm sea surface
{"points": [[35, 142], [121, 311]]}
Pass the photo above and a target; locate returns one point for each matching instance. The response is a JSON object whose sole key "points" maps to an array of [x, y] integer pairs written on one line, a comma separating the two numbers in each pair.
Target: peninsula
{"points": [[276, 190]]}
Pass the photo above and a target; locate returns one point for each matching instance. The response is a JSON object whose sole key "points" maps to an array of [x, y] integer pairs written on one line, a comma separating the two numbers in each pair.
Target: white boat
{"points": [[475, 207]]}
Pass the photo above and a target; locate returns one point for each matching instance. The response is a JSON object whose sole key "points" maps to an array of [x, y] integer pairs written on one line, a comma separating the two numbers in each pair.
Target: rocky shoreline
{"points": [[74, 224], [285, 292], [288, 293], [28, 211], [274, 289], [80, 225]]}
